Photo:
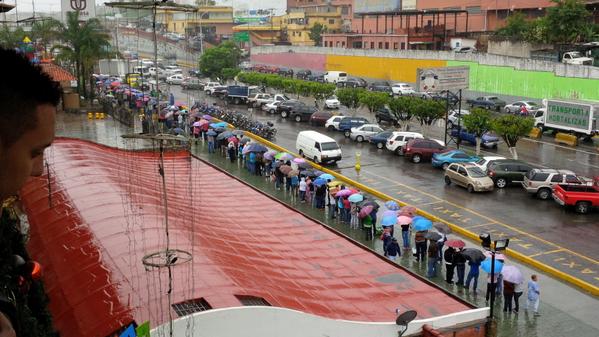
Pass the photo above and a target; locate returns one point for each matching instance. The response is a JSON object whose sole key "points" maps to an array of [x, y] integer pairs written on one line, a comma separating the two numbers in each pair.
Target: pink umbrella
{"points": [[203, 121], [404, 220], [512, 274], [408, 211], [498, 256], [115, 84], [455, 243], [233, 139], [344, 193], [354, 191], [299, 160], [365, 211], [196, 124]]}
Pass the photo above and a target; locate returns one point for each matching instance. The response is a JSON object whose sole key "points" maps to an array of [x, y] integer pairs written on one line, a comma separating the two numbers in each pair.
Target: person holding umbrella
{"points": [[508, 295], [367, 225], [405, 222], [460, 262], [449, 264], [393, 250], [474, 257], [420, 241], [302, 189], [211, 134], [232, 151], [433, 256]]}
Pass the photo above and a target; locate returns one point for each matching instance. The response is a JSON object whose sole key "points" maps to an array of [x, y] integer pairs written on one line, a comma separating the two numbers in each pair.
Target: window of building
{"points": [[299, 33], [395, 45], [345, 10], [371, 45], [386, 45], [343, 44], [380, 45], [357, 45], [473, 9], [252, 300], [403, 45], [337, 44], [189, 307], [453, 8], [331, 21]]}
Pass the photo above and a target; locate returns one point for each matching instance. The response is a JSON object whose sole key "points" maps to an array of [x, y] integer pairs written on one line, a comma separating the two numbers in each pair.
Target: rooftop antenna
{"points": [[168, 257]]}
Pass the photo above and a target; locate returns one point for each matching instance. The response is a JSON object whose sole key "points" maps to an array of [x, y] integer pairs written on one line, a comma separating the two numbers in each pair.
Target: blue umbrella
{"points": [[211, 133], [319, 182], [422, 224], [254, 147], [354, 197], [218, 125], [486, 266], [392, 205], [389, 221], [327, 176]]}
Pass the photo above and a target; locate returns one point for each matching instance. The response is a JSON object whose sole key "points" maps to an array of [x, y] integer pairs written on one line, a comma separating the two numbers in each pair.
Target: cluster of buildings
{"points": [[361, 24]]}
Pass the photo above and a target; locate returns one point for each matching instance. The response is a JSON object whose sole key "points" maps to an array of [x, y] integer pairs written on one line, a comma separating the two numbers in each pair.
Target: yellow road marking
{"points": [[546, 253], [490, 219]]}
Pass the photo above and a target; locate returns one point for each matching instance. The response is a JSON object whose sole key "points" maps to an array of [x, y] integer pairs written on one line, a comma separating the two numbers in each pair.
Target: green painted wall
{"points": [[535, 84]]}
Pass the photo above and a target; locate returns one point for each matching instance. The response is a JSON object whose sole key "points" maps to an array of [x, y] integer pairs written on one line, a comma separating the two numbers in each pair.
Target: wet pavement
{"points": [[540, 230], [565, 311]]}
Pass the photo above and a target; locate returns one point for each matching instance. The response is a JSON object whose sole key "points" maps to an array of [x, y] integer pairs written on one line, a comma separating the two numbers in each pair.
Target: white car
{"points": [[465, 50], [332, 123], [332, 103], [161, 73], [484, 161], [516, 107], [173, 70], [399, 139], [175, 79], [271, 106], [402, 89], [208, 88], [364, 132], [454, 116]]}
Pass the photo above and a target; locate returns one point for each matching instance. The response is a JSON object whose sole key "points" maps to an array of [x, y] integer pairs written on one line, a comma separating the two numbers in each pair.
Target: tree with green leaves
{"points": [[350, 97], [477, 122], [316, 32], [11, 38], [569, 22], [321, 91], [511, 128], [517, 27], [46, 31], [229, 73], [83, 44], [373, 100], [214, 60], [427, 111], [402, 108]]}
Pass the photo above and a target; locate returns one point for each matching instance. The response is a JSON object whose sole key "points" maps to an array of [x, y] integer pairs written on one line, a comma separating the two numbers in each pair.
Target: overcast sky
{"points": [[54, 5]]}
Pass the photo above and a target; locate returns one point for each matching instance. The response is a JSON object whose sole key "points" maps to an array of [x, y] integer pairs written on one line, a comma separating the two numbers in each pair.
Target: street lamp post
{"points": [[498, 246]]}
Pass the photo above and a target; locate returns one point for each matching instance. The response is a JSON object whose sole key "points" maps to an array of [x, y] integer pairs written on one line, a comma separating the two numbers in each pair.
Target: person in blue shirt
{"points": [[472, 275], [534, 294]]}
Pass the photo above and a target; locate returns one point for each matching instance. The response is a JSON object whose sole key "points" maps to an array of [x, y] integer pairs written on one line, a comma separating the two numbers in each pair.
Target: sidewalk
{"points": [[565, 311]]}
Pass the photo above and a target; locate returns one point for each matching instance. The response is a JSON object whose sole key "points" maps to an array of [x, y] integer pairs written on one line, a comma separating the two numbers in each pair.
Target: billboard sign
{"points": [[367, 6], [446, 78], [569, 115], [86, 8], [408, 5]]}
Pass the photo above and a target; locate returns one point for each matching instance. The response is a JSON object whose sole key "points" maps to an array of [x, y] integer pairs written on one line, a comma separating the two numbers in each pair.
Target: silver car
{"points": [[517, 107], [364, 132]]}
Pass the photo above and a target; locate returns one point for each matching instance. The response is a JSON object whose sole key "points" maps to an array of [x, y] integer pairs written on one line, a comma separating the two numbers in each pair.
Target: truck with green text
{"points": [[569, 116]]}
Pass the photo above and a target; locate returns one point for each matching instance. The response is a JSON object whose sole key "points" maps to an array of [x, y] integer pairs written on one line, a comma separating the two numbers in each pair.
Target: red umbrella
{"points": [[455, 243], [233, 139], [115, 84]]}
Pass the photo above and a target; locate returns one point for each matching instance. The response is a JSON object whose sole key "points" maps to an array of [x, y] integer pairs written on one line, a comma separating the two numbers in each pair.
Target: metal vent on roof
{"points": [[189, 307], [252, 300]]}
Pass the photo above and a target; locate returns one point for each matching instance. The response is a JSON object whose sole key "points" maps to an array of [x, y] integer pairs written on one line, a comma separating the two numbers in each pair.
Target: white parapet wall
{"points": [[258, 321]]}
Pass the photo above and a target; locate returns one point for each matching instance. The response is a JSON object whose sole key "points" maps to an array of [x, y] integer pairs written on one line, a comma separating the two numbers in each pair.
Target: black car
{"points": [[195, 73], [287, 72], [381, 88], [442, 96], [302, 113], [385, 115], [220, 91], [303, 74], [353, 82], [316, 78], [507, 171], [286, 107]]}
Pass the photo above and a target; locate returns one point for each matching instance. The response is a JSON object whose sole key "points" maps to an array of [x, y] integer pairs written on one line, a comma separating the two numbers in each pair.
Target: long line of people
{"points": [[347, 205]]}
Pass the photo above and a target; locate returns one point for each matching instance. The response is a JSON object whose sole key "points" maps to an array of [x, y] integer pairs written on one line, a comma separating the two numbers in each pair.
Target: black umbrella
{"points": [[433, 236], [442, 228], [224, 135], [220, 129], [474, 255], [238, 132], [307, 173], [244, 140]]}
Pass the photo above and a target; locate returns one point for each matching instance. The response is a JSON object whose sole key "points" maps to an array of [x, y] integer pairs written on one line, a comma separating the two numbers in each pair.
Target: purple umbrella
{"points": [[269, 155], [512, 274], [207, 117], [344, 193], [299, 160], [365, 211], [390, 213]]}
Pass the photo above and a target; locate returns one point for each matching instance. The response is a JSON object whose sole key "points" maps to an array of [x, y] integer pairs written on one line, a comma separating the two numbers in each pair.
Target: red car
{"points": [[418, 150], [582, 197], [320, 118]]}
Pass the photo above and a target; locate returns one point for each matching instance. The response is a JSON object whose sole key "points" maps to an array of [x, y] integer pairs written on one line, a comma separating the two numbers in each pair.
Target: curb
{"points": [[593, 290]]}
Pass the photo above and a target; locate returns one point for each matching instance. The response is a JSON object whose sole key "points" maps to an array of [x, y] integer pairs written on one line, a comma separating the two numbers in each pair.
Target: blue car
{"points": [[488, 140], [347, 123], [380, 139], [443, 159]]}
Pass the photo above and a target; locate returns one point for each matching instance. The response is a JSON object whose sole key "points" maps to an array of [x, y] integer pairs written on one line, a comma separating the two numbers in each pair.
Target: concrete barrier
{"points": [[535, 133], [455, 228], [567, 139]]}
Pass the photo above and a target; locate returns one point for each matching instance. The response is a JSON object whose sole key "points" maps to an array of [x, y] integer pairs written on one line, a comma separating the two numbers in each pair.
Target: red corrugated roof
{"points": [[106, 215], [57, 73]]}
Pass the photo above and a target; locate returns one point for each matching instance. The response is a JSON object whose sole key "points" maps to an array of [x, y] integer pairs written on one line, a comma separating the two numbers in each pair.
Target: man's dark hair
{"points": [[23, 87]]}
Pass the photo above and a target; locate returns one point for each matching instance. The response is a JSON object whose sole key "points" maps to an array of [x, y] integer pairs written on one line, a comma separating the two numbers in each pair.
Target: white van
{"points": [[143, 70], [317, 147], [335, 76]]}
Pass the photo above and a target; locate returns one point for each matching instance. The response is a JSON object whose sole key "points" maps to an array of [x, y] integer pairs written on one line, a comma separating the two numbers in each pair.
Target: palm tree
{"points": [[45, 31], [11, 39], [84, 43]]}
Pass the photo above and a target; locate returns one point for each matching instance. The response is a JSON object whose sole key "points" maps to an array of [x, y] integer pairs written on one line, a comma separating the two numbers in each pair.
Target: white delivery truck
{"points": [[115, 67], [569, 116], [317, 147]]}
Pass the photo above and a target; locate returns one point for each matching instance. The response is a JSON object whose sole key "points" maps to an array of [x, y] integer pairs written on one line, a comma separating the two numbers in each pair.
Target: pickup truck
{"points": [[259, 99], [575, 57], [582, 197], [487, 102]]}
